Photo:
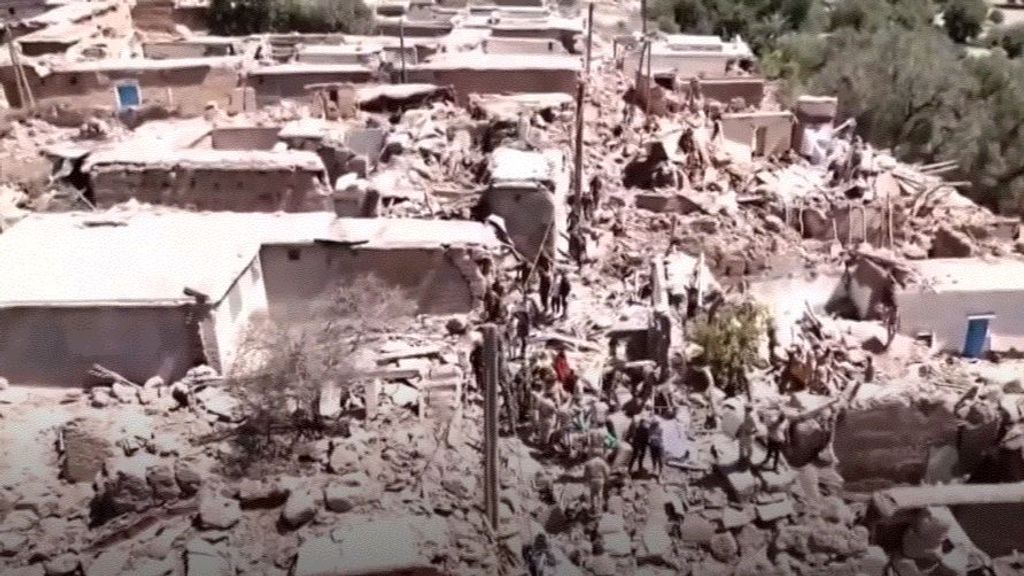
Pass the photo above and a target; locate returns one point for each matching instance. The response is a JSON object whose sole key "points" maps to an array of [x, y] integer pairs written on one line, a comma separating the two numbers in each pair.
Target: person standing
{"points": [[656, 444], [564, 289], [522, 318], [639, 439], [745, 435], [596, 472], [776, 441], [545, 290], [577, 246]]}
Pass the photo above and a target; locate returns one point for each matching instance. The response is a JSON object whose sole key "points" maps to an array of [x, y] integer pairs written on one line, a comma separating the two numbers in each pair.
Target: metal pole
{"points": [[590, 34], [490, 359], [577, 177], [643, 16], [401, 44], [647, 107]]}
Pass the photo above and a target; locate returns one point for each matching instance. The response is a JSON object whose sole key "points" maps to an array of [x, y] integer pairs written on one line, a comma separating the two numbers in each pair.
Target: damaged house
{"points": [[527, 189], [965, 305], [206, 179], [145, 295], [438, 263]]}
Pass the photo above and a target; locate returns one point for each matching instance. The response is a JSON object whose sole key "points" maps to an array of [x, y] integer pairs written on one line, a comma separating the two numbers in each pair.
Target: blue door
{"points": [[977, 335], [128, 96]]}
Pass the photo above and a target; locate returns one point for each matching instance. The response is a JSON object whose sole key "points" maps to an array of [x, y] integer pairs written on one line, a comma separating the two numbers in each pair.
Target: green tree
{"points": [[239, 17], [963, 19], [730, 338], [904, 88]]}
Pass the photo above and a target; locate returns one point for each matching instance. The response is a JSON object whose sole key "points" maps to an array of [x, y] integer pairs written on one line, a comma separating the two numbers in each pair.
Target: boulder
{"points": [[696, 529], [161, 479], [110, 562], [85, 451], [124, 489], [124, 393], [724, 547], [217, 512], [343, 496], [261, 494], [656, 546], [205, 559], [319, 557], [188, 479], [63, 565], [299, 509], [11, 543]]}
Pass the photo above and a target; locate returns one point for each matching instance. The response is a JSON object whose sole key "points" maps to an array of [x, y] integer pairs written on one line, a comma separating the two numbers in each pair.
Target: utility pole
{"points": [[643, 17], [590, 34], [491, 371], [20, 80], [577, 177], [401, 45]]}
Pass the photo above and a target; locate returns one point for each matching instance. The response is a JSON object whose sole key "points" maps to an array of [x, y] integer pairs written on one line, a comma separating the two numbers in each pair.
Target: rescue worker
{"points": [[596, 472]]}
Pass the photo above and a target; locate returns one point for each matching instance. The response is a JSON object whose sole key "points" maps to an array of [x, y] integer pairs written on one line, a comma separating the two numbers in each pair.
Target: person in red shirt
{"points": [[564, 373]]}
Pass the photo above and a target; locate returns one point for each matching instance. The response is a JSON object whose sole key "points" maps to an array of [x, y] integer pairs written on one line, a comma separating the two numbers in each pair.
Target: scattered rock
{"points": [[873, 562], [62, 565], [124, 393], [11, 543], [656, 546], [696, 529], [123, 490], [343, 496], [724, 547], [204, 559], [161, 479], [319, 557], [188, 479], [100, 397], [261, 494], [299, 509], [463, 487], [110, 562], [217, 512]]}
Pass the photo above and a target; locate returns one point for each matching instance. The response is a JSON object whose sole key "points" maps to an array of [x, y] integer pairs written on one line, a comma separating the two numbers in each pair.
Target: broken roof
{"points": [[482, 61], [509, 164], [122, 259], [392, 233], [144, 64], [509, 106], [968, 275], [148, 159], [305, 68]]}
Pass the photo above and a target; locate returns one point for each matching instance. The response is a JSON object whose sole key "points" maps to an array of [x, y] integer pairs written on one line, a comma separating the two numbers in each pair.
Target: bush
{"points": [[281, 369], [241, 17], [730, 338]]}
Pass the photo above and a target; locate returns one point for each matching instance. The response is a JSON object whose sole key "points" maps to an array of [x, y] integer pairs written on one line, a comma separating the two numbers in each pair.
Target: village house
{"points": [[479, 73], [193, 47], [186, 85], [528, 190], [141, 294], [758, 133], [14, 10], [688, 56], [967, 305], [148, 291], [208, 179], [277, 82], [437, 263], [103, 15], [168, 15]]}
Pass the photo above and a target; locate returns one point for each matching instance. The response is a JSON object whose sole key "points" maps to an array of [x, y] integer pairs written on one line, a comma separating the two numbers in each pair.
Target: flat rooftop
{"points": [[303, 68], [202, 158], [145, 64], [483, 61], [122, 259], [967, 275]]}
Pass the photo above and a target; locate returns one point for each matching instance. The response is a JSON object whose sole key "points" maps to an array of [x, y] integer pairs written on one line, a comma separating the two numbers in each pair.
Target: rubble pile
{"points": [[581, 333]]}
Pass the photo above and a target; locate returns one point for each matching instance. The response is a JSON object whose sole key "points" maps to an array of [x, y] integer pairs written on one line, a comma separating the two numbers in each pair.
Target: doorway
{"points": [[976, 340]]}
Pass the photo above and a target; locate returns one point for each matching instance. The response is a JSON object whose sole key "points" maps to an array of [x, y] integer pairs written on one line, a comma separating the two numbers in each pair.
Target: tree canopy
{"points": [[240, 17]]}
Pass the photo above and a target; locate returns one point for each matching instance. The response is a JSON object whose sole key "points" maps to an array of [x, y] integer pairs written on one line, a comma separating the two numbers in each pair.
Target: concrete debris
{"points": [[299, 508], [217, 512]]}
